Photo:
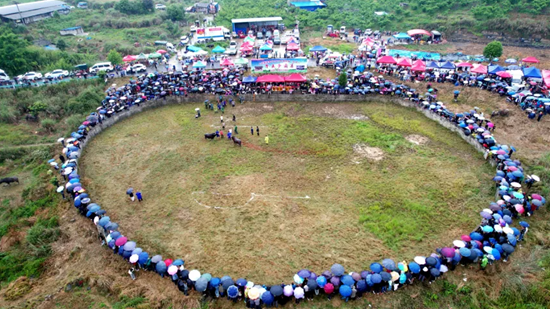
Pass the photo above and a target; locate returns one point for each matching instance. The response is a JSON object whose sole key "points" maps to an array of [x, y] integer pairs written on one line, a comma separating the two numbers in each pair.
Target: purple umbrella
{"points": [[335, 281], [448, 252], [485, 215], [304, 273]]}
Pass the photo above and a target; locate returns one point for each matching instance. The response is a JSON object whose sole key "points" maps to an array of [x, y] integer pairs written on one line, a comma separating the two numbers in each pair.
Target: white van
{"points": [[517, 77], [3, 75], [102, 66]]}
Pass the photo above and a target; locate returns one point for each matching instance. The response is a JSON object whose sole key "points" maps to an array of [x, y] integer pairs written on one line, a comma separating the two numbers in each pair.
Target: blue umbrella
{"points": [[496, 254], [304, 273], [347, 280], [476, 236], [414, 267], [103, 221], [376, 267], [512, 240], [337, 270], [277, 290], [178, 262], [524, 224], [161, 267], [267, 298], [345, 290], [361, 286], [465, 252], [214, 282], [201, 284], [241, 282], [376, 278], [389, 264], [233, 291], [321, 281], [143, 257]]}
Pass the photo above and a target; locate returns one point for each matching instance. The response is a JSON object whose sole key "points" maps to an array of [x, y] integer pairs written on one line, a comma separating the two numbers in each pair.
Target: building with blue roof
{"points": [[309, 5]]}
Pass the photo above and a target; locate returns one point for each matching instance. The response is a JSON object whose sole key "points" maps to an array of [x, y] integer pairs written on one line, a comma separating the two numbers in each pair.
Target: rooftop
{"points": [[308, 3], [32, 6], [251, 20]]}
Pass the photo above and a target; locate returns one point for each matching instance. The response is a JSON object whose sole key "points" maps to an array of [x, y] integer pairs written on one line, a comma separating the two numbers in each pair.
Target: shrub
{"points": [[48, 124], [493, 50]]}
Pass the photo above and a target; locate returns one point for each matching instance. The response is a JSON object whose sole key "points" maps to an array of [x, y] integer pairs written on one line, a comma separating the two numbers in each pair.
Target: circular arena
{"points": [[337, 183]]}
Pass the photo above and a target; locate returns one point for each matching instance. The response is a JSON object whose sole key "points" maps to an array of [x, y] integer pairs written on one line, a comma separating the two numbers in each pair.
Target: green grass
{"points": [[421, 189]]}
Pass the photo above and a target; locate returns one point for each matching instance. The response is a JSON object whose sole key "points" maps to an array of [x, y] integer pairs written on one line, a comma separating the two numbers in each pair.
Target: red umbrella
{"points": [[530, 60], [121, 241], [329, 288], [168, 262], [465, 238], [386, 59], [504, 74], [161, 51]]}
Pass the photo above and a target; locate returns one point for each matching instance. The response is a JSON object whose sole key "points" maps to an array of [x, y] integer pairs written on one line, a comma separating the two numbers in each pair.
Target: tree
{"points": [[114, 57], [175, 13], [61, 44], [148, 5], [343, 80], [13, 52], [493, 50]]}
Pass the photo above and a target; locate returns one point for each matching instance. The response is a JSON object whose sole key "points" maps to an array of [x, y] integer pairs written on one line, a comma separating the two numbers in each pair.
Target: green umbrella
{"points": [[155, 55], [218, 49]]}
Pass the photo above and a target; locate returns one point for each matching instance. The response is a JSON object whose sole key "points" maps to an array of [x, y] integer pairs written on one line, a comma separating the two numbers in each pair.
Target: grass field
{"points": [[359, 210]]}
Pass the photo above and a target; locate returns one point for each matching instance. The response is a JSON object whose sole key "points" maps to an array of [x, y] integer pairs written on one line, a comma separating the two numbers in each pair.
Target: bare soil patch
{"points": [[370, 153], [417, 139]]}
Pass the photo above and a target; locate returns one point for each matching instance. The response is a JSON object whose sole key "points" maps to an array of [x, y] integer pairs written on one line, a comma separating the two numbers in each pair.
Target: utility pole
{"points": [[18, 10]]}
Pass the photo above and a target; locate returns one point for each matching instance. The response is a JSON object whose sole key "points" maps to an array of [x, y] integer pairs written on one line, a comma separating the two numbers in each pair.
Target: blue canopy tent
{"points": [[194, 48], [433, 65], [249, 79], [447, 65], [493, 69], [532, 72], [218, 49], [265, 47], [318, 48], [402, 36]]}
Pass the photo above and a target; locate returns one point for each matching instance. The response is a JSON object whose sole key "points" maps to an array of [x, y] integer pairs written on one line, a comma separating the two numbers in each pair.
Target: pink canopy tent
{"points": [[161, 51], [292, 46], [464, 65], [386, 59], [530, 60], [295, 78], [246, 48], [418, 66], [246, 43], [504, 74], [404, 62], [479, 68], [419, 32], [129, 58], [546, 77], [270, 79], [227, 62]]}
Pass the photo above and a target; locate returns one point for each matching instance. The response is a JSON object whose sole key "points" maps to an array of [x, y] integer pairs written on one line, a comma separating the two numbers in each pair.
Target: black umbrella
{"points": [[435, 272], [312, 284], [431, 261], [227, 283], [385, 276], [507, 248]]}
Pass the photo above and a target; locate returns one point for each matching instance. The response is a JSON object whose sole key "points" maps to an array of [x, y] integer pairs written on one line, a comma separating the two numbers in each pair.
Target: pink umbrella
{"points": [[172, 270], [537, 197], [121, 241], [504, 74], [168, 262], [519, 208], [161, 51]]}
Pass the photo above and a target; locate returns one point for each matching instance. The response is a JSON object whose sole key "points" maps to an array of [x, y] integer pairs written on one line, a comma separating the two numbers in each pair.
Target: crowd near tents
{"points": [[495, 239]]}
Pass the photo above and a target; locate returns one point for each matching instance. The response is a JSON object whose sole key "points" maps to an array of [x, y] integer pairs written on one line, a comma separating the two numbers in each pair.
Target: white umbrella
{"points": [[535, 177], [194, 275], [459, 244], [516, 185]]}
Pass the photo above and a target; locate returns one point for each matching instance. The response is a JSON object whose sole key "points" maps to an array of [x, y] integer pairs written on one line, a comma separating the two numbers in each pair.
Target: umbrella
{"points": [[337, 270], [129, 246], [304, 273], [214, 282], [267, 298], [414, 267], [143, 257], [233, 291], [385, 276], [288, 290], [154, 55], [347, 280], [389, 264], [276, 290], [226, 283], [329, 288], [345, 291], [298, 279], [156, 259], [241, 282], [476, 236], [194, 275], [178, 262], [160, 267], [172, 270], [420, 260], [134, 258], [335, 281], [356, 276], [298, 293], [465, 238], [206, 276], [115, 235], [376, 267], [435, 272], [312, 285], [443, 269], [465, 252], [168, 262], [137, 251], [376, 278], [161, 51], [431, 261], [200, 285], [321, 281], [524, 224], [507, 248], [121, 241], [448, 252]]}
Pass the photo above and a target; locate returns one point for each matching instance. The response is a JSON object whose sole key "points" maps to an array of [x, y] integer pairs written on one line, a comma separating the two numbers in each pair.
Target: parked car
{"points": [[136, 68], [368, 32], [160, 6], [277, 40], [232, 49], [3, 75], [184, 40], [342, 29], [259, 35], [32, 76], [193, 28], [101, 66], [57, 74], [357, 31]]}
